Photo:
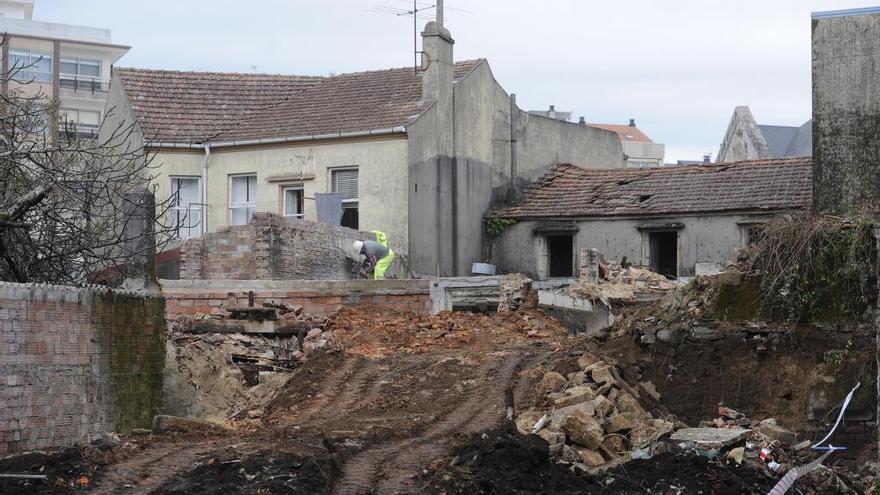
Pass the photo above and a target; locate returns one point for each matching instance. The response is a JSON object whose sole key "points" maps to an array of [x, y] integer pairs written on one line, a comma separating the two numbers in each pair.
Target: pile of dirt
{"points": [[504, 461], [376, 332], [66, 472], [264, 472], [216, 376]]}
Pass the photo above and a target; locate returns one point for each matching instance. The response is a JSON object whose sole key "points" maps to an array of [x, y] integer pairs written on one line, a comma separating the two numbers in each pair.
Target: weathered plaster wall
{"points": [[846, 112], [382, 175], [273, 247], [743, 139], [704, 239], [450, 191], [75, 363]]}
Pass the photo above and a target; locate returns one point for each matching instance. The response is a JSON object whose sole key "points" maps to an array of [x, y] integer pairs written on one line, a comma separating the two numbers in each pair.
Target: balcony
{"points": [[84, 84]]}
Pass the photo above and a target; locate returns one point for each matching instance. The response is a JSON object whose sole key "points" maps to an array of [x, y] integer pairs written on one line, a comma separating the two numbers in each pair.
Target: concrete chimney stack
{"points": [[632, 122], [437, 64], [582, 121]]}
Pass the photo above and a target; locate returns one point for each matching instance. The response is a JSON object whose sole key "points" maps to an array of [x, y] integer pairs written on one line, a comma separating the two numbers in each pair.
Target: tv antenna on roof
{"points": [[419, 11]]}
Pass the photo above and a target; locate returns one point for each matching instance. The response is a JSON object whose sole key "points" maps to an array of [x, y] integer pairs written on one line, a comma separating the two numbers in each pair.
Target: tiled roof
{"points": [[627, 133], [198, 107], [570, 191]]}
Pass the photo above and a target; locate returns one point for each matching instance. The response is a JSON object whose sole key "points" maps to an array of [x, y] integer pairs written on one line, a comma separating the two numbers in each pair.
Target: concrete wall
{"points": [[450, 193], [703, 239], [382, 175], [75, 363], [273, 247], [846, 111], [188, 297]]}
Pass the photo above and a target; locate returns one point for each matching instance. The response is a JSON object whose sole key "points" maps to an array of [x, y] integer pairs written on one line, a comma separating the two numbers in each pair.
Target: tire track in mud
{"points": [[145, 471], [391, 466]]}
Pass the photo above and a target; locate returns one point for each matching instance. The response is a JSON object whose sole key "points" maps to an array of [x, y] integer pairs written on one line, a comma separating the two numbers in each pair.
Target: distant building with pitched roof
{"points": [[640, 150], [745, 139], [671, 219], [419, 154]]}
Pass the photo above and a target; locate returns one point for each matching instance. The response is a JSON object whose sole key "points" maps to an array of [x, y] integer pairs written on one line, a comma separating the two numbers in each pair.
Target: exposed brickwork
{"points": [[271, 247], [318, 298], [75, 362]]}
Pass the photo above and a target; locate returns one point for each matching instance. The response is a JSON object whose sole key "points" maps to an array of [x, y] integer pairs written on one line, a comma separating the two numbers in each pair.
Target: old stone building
{"points": [[418, 154], [669, 219]]}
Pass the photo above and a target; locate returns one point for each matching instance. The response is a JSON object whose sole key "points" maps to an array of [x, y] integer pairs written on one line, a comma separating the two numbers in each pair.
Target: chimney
{"points": [[581, 121], [437, 70], [552, 112], [632, 122], [707, 158]]}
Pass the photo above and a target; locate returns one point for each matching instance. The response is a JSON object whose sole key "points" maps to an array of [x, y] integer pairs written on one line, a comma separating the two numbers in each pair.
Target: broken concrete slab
{"points": [[710, 438]]}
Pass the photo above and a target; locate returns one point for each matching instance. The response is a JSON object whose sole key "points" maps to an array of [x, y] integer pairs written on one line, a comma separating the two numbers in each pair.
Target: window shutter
{"points": [[345, 182]]}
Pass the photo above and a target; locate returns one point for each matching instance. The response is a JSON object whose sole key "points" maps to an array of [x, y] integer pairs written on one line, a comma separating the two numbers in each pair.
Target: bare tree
{"points": [[61, 190]]}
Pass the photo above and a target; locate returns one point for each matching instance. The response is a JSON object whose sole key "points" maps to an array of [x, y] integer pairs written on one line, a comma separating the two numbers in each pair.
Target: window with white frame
{"points": [[186, 206], [29, 65], [242, 198], [293, 201], [77, 73], [345, 182]]}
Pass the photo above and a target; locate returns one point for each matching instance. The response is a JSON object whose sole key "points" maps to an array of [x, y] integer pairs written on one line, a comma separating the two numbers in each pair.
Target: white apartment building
{"points": [[66, 63]]}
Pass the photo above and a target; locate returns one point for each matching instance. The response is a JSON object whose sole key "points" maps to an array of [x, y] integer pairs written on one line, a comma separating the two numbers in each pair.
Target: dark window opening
{"points": [[754, 234], [349, 216], [664, 253], [561, 252]]}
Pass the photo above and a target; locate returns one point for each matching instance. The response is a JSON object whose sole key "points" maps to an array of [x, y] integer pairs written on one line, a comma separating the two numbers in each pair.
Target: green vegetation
{"points": [[495, 226], [815, 268]]}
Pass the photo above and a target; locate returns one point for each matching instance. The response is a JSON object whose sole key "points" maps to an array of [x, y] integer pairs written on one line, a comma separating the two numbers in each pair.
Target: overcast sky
{"points": [[678, 67]]}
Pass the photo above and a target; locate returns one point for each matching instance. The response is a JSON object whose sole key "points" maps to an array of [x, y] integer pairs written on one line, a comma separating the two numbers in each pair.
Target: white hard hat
{"points": [[357, 245]]}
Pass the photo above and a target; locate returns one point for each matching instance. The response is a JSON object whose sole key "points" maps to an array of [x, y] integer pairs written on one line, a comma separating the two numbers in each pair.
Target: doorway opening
{"points": [[664, 253], [560, 251]]}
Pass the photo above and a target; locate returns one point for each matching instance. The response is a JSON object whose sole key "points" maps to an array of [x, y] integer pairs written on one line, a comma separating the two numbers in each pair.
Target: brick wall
{"points": [[272, 247], [190, 297], [76, 362]]}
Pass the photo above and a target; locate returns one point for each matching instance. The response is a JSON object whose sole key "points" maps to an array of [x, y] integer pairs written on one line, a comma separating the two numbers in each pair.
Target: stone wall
{"points": [[272, 247], [189, 297], [76, 362]]}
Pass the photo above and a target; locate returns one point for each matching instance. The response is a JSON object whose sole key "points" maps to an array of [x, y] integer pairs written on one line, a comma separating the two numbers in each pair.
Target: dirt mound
{"points": [[503, 461], [375, 332], [66, 472], [261, 473]]}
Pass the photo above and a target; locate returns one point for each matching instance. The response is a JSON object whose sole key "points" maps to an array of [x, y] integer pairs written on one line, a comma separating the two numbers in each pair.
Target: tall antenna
{"points": [[418, 12]]}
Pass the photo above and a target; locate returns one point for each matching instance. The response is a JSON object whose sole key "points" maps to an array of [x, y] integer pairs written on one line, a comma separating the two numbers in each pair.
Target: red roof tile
{"points": [[570, 191], [198, 107]]}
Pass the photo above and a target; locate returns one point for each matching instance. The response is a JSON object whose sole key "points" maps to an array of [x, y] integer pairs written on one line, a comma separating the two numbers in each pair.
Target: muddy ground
{"points": [[407, 404]]}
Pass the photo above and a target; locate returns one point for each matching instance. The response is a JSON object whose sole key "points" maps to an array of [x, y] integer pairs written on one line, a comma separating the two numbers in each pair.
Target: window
{"points": [[345, 182], [27, 65], [186, 206], [83, 118], [293, 202], [80, 74], [242, 198]]}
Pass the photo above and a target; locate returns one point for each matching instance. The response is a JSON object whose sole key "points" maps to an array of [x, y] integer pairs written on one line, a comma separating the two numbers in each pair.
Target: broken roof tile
{"points": [[571, 191]]}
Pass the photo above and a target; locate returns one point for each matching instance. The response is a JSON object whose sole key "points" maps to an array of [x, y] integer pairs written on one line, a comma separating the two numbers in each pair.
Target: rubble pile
{"points": [[376, 332], [515, 291], [592, 417], [616, 284]]}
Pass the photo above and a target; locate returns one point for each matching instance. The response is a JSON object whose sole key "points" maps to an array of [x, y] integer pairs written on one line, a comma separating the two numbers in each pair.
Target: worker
{"points": [[378, 255]]}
